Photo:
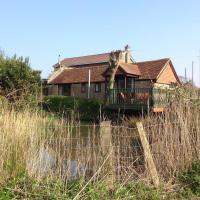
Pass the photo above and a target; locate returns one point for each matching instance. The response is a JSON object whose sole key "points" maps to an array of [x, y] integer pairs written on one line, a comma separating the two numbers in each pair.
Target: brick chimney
{"points": [[127, 52]]}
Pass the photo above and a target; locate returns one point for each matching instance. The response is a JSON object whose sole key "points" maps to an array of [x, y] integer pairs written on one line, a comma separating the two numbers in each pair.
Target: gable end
{"points": [[168, 75]]}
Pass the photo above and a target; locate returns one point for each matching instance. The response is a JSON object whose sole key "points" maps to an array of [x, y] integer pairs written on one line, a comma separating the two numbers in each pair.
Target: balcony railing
{"points": [[138, 98]]}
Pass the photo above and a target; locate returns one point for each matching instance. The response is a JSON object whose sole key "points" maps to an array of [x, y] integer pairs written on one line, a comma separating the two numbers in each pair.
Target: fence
{"points": [[113, 152], [82, 151]]}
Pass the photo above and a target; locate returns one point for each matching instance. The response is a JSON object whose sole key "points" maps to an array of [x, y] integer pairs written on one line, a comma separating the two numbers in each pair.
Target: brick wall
{"points": [[76, 91], [167, 76]]}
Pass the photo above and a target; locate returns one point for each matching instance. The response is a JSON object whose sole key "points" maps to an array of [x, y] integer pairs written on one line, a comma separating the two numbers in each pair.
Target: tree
{"points": [[17, 79], [115, 57]]}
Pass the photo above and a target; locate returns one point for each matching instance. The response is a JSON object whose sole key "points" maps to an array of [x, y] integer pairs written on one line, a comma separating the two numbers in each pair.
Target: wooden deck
{"points": [[138, 99]]}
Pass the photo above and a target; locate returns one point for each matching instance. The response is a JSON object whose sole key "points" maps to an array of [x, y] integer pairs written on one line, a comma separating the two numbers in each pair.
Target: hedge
{"points": [[88, 109]]}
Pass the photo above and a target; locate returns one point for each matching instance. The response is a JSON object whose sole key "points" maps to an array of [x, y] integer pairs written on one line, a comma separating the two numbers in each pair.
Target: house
{"points": [[88, 76]]}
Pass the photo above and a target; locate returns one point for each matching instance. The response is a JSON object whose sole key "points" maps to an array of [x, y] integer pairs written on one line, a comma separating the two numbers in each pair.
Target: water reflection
{"points": [[65, 151], [73, 152]]}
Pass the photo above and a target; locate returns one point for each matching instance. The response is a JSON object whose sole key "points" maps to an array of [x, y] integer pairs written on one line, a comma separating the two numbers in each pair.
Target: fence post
{"points": [[147, 154], [106, 145]]}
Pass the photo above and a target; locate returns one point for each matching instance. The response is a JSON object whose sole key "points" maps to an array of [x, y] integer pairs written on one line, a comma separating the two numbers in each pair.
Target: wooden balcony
{"points": [[139, 99]]}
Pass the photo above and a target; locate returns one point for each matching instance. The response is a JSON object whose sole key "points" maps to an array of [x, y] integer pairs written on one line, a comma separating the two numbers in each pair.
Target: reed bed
{"points": [[175, 137]]}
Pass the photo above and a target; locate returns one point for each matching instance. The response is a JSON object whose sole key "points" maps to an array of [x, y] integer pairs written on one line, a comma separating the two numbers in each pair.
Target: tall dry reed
{"points": [[19, 132], [175, 135], [60, 149], [42, 147]]}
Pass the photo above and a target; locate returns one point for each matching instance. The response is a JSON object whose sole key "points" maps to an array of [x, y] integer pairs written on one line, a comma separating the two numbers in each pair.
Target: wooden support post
{"points": [[147, 154], [106, 143]]}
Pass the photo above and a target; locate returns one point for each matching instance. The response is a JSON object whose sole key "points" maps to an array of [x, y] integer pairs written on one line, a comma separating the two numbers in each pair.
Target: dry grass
{"points": [[175, 135], [40, 146], [59, 149], [19, 133]]}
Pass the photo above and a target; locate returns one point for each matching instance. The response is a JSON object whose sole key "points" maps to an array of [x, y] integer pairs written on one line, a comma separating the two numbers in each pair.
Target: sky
{"points": [[154, 29]]}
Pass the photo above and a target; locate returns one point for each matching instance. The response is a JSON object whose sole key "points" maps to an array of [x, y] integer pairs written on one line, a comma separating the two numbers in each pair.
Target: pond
{"points": [[75, 151]]}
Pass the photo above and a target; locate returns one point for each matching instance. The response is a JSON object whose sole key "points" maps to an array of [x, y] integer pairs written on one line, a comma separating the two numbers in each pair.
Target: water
{"points": [[72, 152], [64, 150]]}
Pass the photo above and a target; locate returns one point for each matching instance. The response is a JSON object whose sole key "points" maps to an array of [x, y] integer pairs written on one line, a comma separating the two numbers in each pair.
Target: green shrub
{"points": [[88, 109], [60, 103], [191, 179], [18, 79]]}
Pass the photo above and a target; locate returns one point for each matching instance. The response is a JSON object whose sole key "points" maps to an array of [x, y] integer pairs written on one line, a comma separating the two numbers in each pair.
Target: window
{"points": [[83, 87], [130, 82], [66, 90], [97, 87]]}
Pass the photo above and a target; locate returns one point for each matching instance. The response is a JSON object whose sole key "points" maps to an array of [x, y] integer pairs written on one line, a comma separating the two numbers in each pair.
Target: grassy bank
{"points": [[25, 187]]}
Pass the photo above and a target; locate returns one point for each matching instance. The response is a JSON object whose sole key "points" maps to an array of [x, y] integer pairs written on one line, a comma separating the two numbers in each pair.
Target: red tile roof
{"points": [[83, 60], [145, 70], [80, 75], [151, 69], [130, 68]]}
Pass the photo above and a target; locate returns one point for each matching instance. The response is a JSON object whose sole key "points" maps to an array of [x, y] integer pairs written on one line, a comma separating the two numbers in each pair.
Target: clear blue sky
{"points": [[154, 29]]}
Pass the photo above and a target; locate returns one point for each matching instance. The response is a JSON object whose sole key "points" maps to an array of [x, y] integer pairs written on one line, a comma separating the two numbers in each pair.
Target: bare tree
{"points": [[114, 62]]}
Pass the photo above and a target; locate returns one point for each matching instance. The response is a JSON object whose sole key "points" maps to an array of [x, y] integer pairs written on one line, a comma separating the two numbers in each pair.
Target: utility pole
{"points": [[185, 74], [41, 94], [192, 73], [199, 67], [89, 79]]}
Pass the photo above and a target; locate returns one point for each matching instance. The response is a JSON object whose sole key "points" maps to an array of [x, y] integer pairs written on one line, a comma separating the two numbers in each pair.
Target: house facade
{"points": [[87, 76]]}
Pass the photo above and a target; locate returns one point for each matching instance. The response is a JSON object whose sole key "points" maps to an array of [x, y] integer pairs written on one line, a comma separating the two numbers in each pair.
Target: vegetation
{"points": [[115, 57], [28, 138], [88, 109], [17, 79], [50, 158], [3, 100], [24, 187], [191, 180]]}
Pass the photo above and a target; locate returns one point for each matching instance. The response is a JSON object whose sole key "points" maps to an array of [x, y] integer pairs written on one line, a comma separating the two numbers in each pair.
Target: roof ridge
{"points": [[88, 67], [123, 63], [162, 59], [86, 56]]}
